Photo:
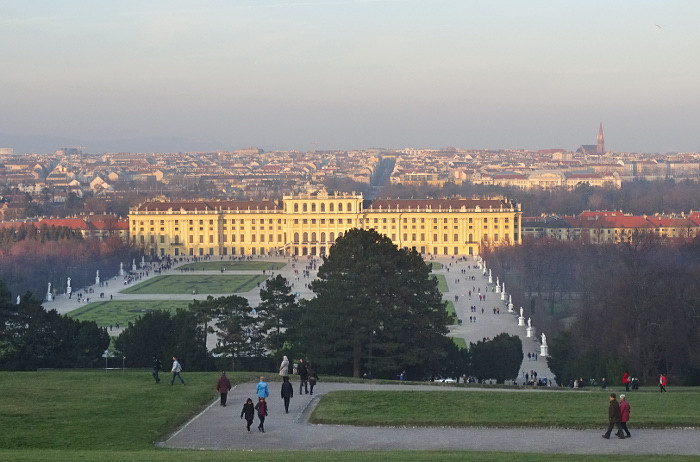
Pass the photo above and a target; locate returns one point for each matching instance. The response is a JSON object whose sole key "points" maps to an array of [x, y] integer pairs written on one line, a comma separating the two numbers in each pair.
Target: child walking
{"points": [[248, 411], [261, 407]]}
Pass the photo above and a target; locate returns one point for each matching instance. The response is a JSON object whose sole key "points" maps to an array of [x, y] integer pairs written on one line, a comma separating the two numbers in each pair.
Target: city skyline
{"points": [[304, 75]]}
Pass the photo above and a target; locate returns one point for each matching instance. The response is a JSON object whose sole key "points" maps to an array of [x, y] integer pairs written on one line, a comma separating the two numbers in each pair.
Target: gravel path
{"points": [[221, 428]]}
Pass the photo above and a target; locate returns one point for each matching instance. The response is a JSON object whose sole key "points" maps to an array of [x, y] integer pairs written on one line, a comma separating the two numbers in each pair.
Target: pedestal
{"points": [[510, 307], [503, 296], [521, 320], [530, 332], [49, 297], [544, 351]]}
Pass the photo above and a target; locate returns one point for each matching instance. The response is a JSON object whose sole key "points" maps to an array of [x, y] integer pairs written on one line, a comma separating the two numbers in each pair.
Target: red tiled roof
{"points": [[73, 223]]}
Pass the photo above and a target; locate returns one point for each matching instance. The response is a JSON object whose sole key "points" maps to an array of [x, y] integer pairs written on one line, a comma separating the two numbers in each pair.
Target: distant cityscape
{"points": [[39, 188]]}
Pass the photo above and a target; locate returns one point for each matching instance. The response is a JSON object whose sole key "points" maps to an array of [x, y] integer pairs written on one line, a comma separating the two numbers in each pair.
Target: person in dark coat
{"points": [[223, 386], [261, 407], [313, 376], [614, 418], [303, 377], [157, 366], [249, 412], [624, 414], [287, 392]]}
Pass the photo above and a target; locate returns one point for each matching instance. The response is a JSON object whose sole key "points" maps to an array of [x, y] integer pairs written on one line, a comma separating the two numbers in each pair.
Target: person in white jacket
{"points": [[176, 369]]}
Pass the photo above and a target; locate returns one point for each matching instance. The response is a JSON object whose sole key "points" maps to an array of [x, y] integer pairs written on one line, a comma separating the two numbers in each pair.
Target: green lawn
{"points": [[64, 416], [110, 312], [234, 265], [583, 409], [460, 342], [442, 283], [199, 283], [451, 312], [435, 265]]}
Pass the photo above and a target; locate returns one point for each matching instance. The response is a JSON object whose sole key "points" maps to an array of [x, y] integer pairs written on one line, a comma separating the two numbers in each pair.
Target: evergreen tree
{"points": [[377, 308], [276, 303], [499, 358]]}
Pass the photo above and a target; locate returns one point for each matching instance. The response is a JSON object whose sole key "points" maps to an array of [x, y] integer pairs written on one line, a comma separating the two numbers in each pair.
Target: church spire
{"points": [[600, 148]]}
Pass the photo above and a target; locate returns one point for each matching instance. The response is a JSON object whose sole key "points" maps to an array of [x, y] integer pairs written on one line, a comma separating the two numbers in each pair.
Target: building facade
{"points": [[308, 224]]}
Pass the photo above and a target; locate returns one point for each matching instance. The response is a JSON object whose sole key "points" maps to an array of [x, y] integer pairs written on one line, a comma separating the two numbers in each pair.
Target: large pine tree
{"points": [[377, 309]]}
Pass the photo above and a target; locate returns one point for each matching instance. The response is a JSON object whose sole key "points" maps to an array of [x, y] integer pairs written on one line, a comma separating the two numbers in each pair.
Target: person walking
{"points": [[614, 418], [284, 367], [287, 392], [662, 383], [223, 385], [261, 388], [157, 366], [303, 377], [176, 369], [249, 412], [624, 414], [261, 407], [313, 376]]}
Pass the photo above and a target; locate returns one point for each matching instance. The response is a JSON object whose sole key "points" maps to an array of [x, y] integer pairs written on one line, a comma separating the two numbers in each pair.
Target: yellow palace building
{"points": [[308, 224]]}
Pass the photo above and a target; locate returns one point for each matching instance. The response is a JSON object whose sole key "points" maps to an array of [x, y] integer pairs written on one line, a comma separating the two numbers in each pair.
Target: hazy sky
{"points": [[326, 74]]}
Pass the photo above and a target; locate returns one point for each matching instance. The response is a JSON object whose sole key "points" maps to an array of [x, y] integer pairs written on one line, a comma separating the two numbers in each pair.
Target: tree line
{"points": [[32, 338], [610, 308], [30, 263]]}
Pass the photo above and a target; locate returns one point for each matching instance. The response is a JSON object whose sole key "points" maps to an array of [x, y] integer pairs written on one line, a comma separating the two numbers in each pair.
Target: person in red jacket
{"points": [[626, 380], [223, 385], [662, 383], [624, 414]]}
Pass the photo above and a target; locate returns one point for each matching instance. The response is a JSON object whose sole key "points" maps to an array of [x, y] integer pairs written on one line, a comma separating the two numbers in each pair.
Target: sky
{"points": [[349, 74]]}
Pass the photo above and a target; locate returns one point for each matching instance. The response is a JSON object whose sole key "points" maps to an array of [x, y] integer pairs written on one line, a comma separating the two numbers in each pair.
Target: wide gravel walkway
{"points": [[221, 428]]}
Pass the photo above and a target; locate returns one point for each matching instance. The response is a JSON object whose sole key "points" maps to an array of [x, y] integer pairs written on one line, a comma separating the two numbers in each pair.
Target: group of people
{"points": [[307, 381], [618, 416], [174, 370], [633, 382]]}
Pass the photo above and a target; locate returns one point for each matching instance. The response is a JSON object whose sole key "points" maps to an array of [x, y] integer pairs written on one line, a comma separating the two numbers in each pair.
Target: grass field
{"points": [[234, 265], [650, 409], [442, 283], [459, 341], [110, 312], [199, 283], [451, 312], [64, 416]]}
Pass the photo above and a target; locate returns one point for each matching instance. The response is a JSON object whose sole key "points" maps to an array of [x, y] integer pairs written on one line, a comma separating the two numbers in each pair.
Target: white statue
{"points": [[69, 289], [18, 299], [521, 311], [121, 268], [544, 339], [97, 278], [529, 322]]}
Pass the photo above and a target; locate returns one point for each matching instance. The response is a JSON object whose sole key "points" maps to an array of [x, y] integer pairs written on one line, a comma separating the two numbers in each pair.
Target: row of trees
{"points": [[608, 308], [28, 265], [32, 338]]}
